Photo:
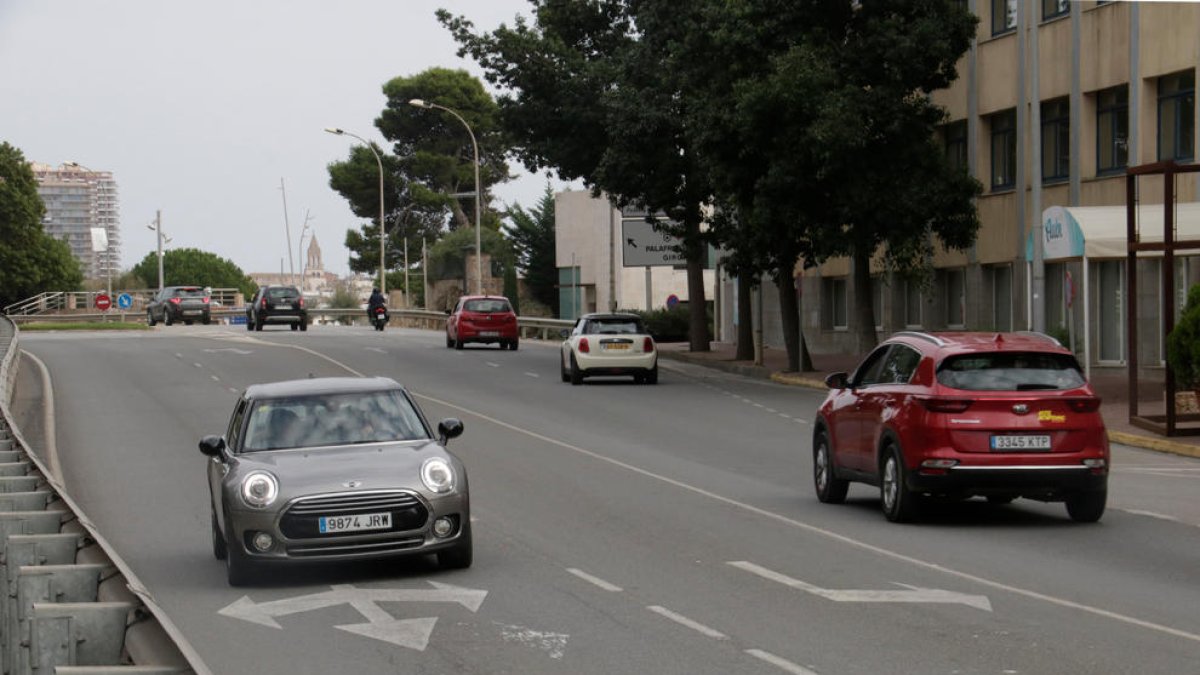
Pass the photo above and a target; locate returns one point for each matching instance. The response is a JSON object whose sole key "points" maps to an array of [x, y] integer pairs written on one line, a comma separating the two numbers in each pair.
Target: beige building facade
{"points": [[1054, 101]]}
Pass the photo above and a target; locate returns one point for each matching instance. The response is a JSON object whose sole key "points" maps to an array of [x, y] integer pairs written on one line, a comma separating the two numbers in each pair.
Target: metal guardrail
{"points": [[68, 603], [531, 326], [53, 303]]}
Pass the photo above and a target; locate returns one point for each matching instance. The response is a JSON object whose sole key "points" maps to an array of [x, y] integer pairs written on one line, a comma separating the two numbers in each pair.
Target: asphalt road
{"points": [[619, 528]]}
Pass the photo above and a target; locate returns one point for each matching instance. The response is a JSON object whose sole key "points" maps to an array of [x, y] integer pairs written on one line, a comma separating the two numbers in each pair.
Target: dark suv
{"points": [[956, 415], [179, 303], [277, 304]]}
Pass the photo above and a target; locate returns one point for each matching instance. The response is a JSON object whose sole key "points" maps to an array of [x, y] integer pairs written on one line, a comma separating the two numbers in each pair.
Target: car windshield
{"points": [[282, 293], [487, 306], [332, 419], [614, 327], [189, 293], [1010, 371]]}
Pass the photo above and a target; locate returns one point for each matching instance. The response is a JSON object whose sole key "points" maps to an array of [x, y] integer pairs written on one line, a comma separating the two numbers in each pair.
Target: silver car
{"points": [[334, 469]]}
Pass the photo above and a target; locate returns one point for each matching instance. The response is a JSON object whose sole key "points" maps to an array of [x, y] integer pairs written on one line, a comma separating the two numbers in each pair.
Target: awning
{"points": [[1100, 231]]}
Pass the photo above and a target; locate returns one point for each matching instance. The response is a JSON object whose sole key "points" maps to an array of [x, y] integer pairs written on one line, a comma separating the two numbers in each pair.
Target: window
{"points": [[1053, 8], [899, 365], [1001, 277], [1004, 16], [1004, 150], [871, 370], [912, 304], [1010, 371], [1112, 129], [1111, 276], [1177, 116], [956, 144], [955, 289], [1056, 140], [837, 296]]}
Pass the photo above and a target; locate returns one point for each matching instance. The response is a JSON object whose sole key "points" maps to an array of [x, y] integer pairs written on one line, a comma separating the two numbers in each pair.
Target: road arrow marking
{"points": [[914, 594], [380, 626], [411, 633]]}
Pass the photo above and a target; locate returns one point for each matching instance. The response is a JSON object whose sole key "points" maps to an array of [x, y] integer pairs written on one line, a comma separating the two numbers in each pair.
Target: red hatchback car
{"points": [[482, 318], [998, 415]]}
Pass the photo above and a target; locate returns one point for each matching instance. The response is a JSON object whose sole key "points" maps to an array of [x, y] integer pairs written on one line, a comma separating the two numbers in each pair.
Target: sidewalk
{"points": [[1111, 384]]}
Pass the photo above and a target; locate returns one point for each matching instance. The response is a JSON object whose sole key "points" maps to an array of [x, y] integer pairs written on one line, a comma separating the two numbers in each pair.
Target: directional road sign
{"points": [[124, 301], [643, 246], [103, 302]]}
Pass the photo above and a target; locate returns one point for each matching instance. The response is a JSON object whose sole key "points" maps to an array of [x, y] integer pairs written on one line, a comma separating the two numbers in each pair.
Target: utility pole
{"points": [[158, 231], [287, 230]]}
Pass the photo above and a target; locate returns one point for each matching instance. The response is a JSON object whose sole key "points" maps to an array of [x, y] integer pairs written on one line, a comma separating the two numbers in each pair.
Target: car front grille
{"points": [[300, 520], [335, 547]]}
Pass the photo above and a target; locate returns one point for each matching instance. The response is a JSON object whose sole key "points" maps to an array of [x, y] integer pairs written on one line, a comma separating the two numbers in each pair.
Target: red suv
{"points": [[998, 415], [482, 318]]}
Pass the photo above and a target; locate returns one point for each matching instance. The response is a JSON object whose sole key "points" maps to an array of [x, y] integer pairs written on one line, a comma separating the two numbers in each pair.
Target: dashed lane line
{"points": [[688, 623], [595, 581], [780, 662]]}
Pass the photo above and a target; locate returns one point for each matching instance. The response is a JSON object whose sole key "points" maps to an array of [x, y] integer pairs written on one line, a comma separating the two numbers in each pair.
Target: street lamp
{"points": [[382, 231], [107, 244], [300, 249], [418, 103], [157, 228]]}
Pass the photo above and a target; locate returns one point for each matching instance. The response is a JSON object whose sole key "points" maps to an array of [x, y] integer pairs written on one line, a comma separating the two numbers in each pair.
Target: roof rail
{"points": [[921, 336], [1034, 333]]}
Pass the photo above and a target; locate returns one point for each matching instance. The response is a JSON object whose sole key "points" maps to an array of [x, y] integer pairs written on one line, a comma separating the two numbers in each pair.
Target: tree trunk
{"points": [[864, 315], [789, 318], [745, 314], [806, 363], [460, 216], [697, 252]]}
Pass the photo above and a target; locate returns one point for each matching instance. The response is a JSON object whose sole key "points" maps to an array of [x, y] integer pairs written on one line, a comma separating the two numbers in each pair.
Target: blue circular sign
{"points": [[672, 301], [124, 301]]}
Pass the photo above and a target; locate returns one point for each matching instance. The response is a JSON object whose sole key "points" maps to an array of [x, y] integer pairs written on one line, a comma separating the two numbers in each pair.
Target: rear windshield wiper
{"points": [[1026, 386]]}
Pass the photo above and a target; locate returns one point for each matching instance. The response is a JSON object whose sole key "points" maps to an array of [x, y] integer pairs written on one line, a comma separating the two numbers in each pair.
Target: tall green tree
{"points": [[532, 235], [430, 173], [193, 267], [31, 261], [590, 94]]}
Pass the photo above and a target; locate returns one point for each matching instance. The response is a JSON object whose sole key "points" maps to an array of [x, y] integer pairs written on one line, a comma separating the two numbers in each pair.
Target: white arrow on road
{"points": [[412, 633], [914, 594], [243, 352]]}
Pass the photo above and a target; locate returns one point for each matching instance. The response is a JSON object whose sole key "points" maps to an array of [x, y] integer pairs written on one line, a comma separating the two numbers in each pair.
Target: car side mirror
{"points": [[449, 428], [564, 333], [447, 312], [837, 380], [212, 445]]}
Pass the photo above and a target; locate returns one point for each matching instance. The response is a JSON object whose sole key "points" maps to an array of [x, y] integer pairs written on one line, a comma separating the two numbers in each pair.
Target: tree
{"points": [[31, 261], [448, 257], [193, 267], [432, 161], [532, 236], [589, 93]]}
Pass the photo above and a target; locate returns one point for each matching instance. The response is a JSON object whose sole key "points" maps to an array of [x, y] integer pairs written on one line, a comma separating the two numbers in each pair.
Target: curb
{"points": [[792, 379]]}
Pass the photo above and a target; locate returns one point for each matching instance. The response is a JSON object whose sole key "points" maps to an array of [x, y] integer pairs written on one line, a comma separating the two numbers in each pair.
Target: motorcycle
{"points": [[380, 318]]}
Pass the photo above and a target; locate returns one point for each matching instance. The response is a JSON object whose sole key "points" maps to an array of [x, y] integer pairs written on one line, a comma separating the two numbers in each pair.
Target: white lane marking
{"points": [[377, 350], [198, 365], [494, 365], [801, 525], [686, 622], [800, 421], [48, 422], [215, 378], [781, 663], [554, 644], [758, 405], [178, 355], [914, 594], [772, 410], [595, 581], [785, 416], [533, 374], [233, 389], [1152, 514]]}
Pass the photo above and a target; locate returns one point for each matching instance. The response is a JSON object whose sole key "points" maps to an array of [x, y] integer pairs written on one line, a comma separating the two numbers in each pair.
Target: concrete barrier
{"points": [[68, 603]]}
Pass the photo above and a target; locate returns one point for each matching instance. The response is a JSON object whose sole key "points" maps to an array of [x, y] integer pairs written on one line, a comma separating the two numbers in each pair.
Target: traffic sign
{"points": [[672, 301], [103, 302], [124, 301], [643, 246]]}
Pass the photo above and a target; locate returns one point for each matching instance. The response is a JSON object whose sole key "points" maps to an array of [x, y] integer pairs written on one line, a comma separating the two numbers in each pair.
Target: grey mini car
{"points": [[334, 469]]}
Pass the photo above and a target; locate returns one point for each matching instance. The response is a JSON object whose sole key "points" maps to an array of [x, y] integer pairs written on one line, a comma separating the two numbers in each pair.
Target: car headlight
{"points": [[437, 475], [259, 489]]}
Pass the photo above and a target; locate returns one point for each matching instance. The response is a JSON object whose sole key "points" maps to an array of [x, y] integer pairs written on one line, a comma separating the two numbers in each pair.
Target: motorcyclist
{"points": [[376, 300]]}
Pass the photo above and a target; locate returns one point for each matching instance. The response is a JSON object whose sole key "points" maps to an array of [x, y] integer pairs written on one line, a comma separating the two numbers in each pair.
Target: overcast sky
{"points": [[200, 108]]}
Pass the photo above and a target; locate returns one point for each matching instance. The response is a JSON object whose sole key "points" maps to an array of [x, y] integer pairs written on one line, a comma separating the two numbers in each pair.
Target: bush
{"points": [[1183, 343], [668, 325]]}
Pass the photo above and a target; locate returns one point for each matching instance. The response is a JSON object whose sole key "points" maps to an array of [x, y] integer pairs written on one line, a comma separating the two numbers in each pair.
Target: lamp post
{"points": [[107, 244], [157, 228], [300, 251], [382, 231], [418, 103]]}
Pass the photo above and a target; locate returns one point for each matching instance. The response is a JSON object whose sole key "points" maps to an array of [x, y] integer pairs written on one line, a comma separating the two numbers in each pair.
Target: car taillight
{"points": [[302, 302], [174, 301], [264, 302], [583, 346], [945, 405], [647, 345], [1084, 405], [206, 299]]}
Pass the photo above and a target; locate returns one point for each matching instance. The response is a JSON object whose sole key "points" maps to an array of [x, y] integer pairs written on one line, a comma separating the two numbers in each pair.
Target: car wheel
{"points": [[1087, 507], [460, 556], [150, 318], [167, 319], [458, 343], [830, 488], [449, 341], [562, 369], [249, 323], [899, 503], [516, 342], [239, 570], [258, 325], [206, 320], [304, 325], [295, 326], [218, 541], [652, 376], [576, 373]]}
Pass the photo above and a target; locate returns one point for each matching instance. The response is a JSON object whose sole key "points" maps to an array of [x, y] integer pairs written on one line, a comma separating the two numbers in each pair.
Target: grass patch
{"points": [[82, 325]]}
